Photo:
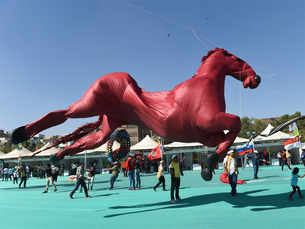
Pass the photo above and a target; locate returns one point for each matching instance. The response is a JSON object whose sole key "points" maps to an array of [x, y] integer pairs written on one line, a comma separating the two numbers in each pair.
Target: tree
{"points": [[251, 127]]}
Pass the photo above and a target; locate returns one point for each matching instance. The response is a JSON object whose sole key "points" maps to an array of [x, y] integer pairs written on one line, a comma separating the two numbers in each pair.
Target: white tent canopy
{"points": [[146, 143], [103, 148], [276, 136], [182, 144], [240, 140], [198, 144], [17, 153]]}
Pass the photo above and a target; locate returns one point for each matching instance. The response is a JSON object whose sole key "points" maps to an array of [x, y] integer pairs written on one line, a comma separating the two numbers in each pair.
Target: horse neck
{"points": [[211, 70]]}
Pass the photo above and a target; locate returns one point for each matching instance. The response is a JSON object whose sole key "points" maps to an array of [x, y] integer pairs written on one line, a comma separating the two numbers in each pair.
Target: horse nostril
{"points": [[257, 79]]}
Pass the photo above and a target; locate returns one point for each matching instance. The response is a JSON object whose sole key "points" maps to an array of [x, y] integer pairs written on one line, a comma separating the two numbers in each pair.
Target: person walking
{"points": [[15, 175], [5, 174], [294, 183], [279, 157], [10, 173], [303, 156], [91, 176], [288, 156], [50, 178], [138, 171], [55, 172], [131, 171], [284, 160], [255, 162], [230, 166], [115, 170], [175, 172], [160, 177], [22, 175], [28, 171], [80, 181]]}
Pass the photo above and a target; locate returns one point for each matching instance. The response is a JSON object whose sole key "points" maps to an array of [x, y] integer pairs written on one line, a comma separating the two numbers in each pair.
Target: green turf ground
{"points": [[259, 204]]}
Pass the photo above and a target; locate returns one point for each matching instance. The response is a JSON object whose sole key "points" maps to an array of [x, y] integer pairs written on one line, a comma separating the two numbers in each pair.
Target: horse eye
{"points": [[226, 53]]}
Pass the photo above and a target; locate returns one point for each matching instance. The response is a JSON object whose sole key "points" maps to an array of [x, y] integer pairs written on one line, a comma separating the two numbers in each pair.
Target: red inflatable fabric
{"points": [[225, 179], [194, 111]]}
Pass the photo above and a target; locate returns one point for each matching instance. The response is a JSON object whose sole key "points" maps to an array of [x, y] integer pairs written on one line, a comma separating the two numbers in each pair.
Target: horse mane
{"points": [[210, 53]]}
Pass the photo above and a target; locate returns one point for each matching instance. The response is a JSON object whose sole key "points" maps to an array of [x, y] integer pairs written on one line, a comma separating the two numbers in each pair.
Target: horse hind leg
{"points": [[79, 133], [24, 133], [92, 140], [80, 109]]}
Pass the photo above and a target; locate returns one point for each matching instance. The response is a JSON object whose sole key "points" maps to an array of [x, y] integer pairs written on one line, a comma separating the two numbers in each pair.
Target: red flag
{"points": [[156, 153]]}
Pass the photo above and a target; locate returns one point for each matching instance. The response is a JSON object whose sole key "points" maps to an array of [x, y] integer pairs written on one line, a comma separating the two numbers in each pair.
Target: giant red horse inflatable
{"points": [[194, 111]]}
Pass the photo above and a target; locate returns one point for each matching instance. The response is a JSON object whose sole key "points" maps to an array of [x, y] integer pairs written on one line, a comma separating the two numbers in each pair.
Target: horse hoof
{"points": [[208, 166], [53, 159], [212, 160], [19, 135], [206, 174]]}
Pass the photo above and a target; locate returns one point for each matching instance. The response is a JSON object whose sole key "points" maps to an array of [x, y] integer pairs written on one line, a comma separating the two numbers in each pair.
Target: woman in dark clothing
{"points": [[138, 178]]}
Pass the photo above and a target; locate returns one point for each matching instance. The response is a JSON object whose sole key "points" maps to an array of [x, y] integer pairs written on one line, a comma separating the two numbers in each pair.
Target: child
{"points": [[160, 177], [294, 182]]}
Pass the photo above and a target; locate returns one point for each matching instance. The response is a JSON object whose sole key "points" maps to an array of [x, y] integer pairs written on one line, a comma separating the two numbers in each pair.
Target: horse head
{"points": [[241, 70], [229, 64]]}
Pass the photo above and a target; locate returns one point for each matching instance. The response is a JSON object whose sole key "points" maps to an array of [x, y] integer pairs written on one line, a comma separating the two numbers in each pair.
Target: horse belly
{"points": [[137, 112], [107, 92]]}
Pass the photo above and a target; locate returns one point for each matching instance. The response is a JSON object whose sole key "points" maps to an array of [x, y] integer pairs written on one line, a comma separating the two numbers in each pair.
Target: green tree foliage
{"points": [[30, 145], [251, 127], [6, 148]]}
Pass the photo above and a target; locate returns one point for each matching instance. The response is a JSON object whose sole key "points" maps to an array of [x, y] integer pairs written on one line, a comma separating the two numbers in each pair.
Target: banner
{"points": [[292, 143], [293, 129]]}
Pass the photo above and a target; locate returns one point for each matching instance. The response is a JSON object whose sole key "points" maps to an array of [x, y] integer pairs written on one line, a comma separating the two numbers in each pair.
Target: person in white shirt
{"points": [[10, 173], [230, 166], [5, 173], [15, 175]]}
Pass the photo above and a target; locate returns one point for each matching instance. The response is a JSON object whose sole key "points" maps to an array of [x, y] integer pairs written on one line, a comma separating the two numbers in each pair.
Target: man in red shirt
{"points": [[284, 160], [131, 171]]}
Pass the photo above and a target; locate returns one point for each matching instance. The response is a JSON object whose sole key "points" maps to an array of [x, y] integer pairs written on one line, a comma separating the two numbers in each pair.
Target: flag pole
{"points": [[85, 160]]}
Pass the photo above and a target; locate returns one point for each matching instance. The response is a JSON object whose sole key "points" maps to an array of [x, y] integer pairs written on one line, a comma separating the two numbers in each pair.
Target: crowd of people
{"points": [[15, 173], [133, 167], [19, 174]]}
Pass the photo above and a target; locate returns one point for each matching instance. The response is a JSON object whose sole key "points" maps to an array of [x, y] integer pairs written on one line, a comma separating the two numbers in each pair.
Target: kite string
{"points": [[194, 33], [205, 42]]}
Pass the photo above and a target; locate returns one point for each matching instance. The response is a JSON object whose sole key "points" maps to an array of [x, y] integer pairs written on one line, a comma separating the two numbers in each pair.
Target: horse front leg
{"points": [[228, 122], [221, 122], [90, 141]]}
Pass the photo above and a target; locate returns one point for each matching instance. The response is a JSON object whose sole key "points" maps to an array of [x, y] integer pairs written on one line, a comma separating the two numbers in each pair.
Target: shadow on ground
{"points": [[68, 184], [242, 200]]}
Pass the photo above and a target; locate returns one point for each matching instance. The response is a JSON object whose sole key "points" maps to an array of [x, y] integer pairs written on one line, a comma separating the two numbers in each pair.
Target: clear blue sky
{"points": [[52, 51]]}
